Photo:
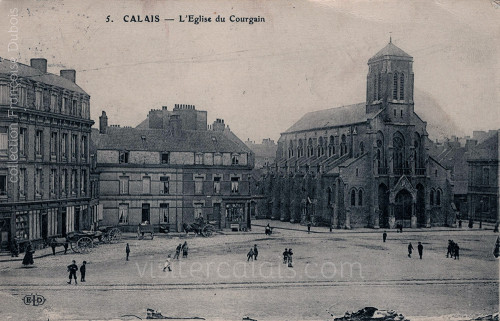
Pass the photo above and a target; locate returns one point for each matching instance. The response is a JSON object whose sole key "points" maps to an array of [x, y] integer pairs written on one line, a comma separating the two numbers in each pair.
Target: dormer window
{"points": [[123, 157], [198, 159], [235, 160], [165, 158]]}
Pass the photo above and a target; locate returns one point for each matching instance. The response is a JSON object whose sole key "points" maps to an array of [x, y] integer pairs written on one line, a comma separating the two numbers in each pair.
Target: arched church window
{"points": [[395, 87], [402, 87], [375, 88], [353, 198], [360, 198], [361, 148], [343, 147], [398, 151]]}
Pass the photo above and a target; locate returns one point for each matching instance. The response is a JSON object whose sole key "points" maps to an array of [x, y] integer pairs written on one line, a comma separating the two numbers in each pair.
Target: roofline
{"points": [[168, 151], [389, 57], [323, 128]]}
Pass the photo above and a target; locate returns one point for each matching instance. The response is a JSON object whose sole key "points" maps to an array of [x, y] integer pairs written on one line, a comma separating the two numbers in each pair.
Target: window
{"points": [[438, 197], [402, 87], [486, 175], [165, 158], [235, 184], [198, 159], [23, 97], [353, 198], [83, 147], [375, 88], [198, 210], [38, 99], [53, 103], [361, 148], [379, 87], [198, 185], [73, 145], [22, 182], [83, 182], [123, 214], [53, 144], [64, 145], [65, 104], [73, 181], [401, 113], [64, 181], [360, 198], [74, 107], [395, 87], [4, 94], [3, 184], [85, 109], [23, 137], [38, 182], [146, 185], [394, 112], [218, 159], [216, 185], [53, 175], [123, 157], [38, 142], [235, 160], [164, 213], [4, 140], [164, 185], [123, 185]]}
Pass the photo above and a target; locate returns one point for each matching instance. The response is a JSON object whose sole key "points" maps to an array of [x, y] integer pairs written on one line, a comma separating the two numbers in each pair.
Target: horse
{"points": [[193, 227]]}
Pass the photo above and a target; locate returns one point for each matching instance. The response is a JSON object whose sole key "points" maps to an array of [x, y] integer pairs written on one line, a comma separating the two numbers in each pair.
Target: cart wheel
{"points": [[85, 244], [115, 235], [208, 231], [74, 247]]}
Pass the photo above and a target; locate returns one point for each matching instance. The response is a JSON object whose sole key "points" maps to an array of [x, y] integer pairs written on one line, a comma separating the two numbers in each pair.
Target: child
{"points": [[290, 253], [82, 271], [72, 268], [250, 255], [167, 264]]}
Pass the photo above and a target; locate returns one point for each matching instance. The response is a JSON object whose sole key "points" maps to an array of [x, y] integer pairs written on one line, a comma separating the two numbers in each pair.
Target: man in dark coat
{"points": [[290, 254], [83, 269], [72, 268], [456, 252], [185, 249], [14, 247], [450, 248], [285, 256], [384, 236], [250, 255], [177, 251], [420, 249], [28, 255], [410, 250], [127, 250], [255, 252]]}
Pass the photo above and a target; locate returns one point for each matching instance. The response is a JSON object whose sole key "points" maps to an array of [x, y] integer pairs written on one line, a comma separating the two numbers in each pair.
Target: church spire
{"points": [[390, 36]]}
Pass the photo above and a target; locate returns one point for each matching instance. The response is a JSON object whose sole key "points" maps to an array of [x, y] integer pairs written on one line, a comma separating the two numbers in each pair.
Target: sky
{"points": [[262, 77]]}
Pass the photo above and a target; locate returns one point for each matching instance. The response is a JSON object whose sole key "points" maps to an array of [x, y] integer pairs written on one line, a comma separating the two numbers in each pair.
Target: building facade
{"points": [[363, 165], [44, 152], [483, 189], [172, 169]]}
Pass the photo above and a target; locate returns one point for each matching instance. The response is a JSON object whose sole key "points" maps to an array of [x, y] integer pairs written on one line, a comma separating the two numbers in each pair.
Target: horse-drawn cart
{"points": [[200, 227], [85, 241], [145, 228]]}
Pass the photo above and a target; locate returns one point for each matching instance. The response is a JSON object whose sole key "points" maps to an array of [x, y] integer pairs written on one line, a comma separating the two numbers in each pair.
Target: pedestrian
{"points": [[410, 249], [268, 229], [496, 251], [127, 250], [185, 249], [308, 227], [83, 269], [255, 252], [28, 255], [14, 247], [178, 251], [400, 228], [384, 236], [450, 249], [420, 249], [250, 255], [290, 254], [457, 251], [285, 256], [167, 264], [72, 268]]}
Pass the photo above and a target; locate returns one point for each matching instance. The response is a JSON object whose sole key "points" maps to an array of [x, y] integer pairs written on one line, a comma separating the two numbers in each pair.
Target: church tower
{"points": [[389, 84]]}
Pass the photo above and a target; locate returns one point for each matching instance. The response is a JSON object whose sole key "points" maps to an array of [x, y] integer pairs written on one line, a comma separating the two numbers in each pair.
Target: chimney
{"points": [[40, 64], [176, 125], [103, 123], [69, 74], [218, 125]]}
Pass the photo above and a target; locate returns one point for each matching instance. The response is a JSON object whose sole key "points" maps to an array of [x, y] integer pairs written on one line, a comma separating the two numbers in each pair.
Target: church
{"points": [[362, 165]]}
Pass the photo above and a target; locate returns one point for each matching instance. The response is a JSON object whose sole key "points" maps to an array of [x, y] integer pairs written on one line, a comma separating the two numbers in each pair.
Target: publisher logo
{"points": [[34, 299]]}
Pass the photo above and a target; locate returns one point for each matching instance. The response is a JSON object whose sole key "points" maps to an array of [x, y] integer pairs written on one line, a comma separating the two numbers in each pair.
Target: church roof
{"points": [[340, 116], [390, 50]]}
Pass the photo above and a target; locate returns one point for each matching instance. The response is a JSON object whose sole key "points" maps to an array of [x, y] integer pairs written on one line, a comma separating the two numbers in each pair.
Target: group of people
{"points": [[453, 250], [253, 253], [73, 268], [183, 248], [420, 249], [287, 257]]}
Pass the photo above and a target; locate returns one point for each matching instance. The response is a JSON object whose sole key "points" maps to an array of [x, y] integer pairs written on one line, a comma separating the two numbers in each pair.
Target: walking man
{"points": [[285, 256], [450, 249], [72, 268], [127, 250], [457, 252], [384, 236], [410, 250], [420, 249], [250, 255], [255, 252], [178, 251], [185, 249], [290, 253], [167, 264], [83, 269]]}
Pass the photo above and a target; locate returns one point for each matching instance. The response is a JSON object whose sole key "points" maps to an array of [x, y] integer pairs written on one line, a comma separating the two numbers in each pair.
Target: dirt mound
{"points": [[372, 314]]}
